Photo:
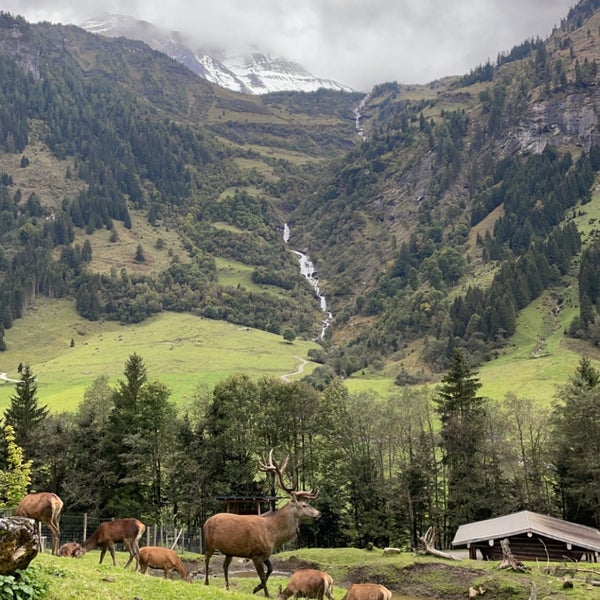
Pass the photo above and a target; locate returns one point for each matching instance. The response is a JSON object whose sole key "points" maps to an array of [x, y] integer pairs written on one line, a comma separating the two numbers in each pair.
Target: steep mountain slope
{"points": [[106, 134], [459, 205], [253, 73], [433, 233]]}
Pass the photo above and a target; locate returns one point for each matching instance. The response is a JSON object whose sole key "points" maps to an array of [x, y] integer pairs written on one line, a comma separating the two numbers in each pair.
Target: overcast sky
{"points": [[356, 42]]}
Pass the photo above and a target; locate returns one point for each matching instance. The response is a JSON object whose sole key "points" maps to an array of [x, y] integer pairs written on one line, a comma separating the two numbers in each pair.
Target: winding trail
{"points": [[298, 371], [4, 377]]}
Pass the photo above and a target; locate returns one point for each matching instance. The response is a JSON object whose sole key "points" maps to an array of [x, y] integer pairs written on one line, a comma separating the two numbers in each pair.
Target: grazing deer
{"points": [[71, 549], [125, 531], [308, 583], [44, 507], [367, 591], [156, 557], [257, 537]]}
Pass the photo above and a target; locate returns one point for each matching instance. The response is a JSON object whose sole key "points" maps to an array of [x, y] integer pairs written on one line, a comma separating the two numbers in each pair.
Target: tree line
{"points": [[387, 468]]}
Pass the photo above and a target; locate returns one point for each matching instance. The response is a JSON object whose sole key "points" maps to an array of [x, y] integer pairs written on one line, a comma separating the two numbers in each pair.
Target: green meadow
{"points": [[183, 351], [188, 353]]}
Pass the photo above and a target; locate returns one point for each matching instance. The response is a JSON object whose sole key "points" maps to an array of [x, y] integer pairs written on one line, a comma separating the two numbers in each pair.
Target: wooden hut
{"points": [[532, 536], [248, 505]]}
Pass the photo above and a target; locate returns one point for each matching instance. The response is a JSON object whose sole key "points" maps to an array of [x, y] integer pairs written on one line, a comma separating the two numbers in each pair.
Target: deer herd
{"points": [[251, 537]]}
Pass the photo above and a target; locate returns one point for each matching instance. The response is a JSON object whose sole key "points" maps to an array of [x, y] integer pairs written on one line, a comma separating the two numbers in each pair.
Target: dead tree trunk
{"points": [[427, 545], [508, 560]]}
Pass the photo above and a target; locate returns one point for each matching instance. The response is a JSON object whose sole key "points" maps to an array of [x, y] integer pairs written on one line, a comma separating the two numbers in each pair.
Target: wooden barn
{"points": [[532, 537]]}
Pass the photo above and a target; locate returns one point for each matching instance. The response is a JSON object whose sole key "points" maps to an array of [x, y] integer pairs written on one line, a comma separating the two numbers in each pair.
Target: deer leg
{"points": [[269, 568], [226, 564], [132, 554], [207, 555], [111, 549], [136, 551], [55, 531], [260, 569]]}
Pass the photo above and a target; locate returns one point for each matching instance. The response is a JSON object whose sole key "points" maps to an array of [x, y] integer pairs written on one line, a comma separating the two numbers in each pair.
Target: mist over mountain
{"points": [[254, 72]]}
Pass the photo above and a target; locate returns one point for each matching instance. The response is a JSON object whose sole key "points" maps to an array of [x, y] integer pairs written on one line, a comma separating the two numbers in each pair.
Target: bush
{"points": [[27, 584]]}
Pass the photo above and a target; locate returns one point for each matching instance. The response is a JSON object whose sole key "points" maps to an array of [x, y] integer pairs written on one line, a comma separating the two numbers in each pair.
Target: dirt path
{"points": [[298, 371]]}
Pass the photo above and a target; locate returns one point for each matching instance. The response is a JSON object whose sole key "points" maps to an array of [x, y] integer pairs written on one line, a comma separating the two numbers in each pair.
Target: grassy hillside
{"points": [[179, 350], [538, 359]]}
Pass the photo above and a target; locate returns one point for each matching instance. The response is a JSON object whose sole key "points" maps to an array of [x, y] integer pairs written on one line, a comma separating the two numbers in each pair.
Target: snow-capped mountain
{"points": [[252, 73]]}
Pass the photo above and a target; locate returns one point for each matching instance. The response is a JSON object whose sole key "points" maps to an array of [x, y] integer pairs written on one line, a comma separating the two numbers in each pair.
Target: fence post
{"points": [[84, 526]]}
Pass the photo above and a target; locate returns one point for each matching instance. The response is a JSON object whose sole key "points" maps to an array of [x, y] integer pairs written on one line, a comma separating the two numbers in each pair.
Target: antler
{"points": [[306, 495], [279, 470], [273, 467]]}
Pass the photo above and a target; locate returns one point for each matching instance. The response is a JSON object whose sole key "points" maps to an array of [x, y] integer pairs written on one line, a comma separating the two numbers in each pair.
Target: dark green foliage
{"points": [[26, 415], [519, 51], [24, 584], [575, 442], [480, 73], [589, 293], [462, 415]]}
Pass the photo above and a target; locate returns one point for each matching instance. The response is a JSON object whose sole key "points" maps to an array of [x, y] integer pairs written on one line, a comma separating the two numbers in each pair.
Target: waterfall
{"points": [[358, 116], [307, 269]]}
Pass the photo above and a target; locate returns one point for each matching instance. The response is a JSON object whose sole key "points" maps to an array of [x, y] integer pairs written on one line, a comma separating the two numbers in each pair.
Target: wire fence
{"points": [[77, 528]]}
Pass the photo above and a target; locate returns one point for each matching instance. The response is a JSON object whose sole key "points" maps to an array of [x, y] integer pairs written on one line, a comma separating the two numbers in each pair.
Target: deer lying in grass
{"points": [[156, 557], [255, 536], [125, 531], [308, 583], [44, 507], [367, 591], [71, 549]]}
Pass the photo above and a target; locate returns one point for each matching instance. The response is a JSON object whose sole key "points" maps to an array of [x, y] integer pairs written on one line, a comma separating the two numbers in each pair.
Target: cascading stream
{"points": [[307, 269]]}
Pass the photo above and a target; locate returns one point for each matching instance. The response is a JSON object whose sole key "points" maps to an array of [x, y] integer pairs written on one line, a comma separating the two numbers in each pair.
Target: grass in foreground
{"points": [[407, 575]]}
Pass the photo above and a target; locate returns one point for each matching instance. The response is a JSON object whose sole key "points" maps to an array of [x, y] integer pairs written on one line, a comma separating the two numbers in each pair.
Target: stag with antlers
{"points": [[257, 537]]}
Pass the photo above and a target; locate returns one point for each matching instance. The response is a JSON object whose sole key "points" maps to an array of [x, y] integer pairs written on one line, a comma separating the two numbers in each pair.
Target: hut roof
{"points": [[530, 523]]}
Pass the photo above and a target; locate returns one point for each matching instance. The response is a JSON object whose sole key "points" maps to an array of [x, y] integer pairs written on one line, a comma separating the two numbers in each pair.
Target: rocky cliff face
{"points": [[564, 120]]}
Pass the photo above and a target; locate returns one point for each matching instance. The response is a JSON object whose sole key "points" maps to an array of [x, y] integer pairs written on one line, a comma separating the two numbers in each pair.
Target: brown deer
{"points": [[156, 557], [125, 531], [44, 507], [257, 537], [367, 591], [71, 549], [308, 583]]}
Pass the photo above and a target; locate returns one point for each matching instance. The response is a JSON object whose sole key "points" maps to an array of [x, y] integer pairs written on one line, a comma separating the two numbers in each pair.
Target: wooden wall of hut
{"points": [[534, 548]]}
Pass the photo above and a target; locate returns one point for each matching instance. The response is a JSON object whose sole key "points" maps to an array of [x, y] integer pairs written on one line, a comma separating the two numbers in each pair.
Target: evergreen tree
{"points": [[576, 444], [124, 494], [25, 415], [462, 414], [87, 481], [139, 254]]}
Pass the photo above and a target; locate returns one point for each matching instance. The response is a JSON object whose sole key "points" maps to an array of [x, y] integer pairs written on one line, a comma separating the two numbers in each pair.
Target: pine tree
{"points": [[575, 433], [462, 414], [25, 415]]}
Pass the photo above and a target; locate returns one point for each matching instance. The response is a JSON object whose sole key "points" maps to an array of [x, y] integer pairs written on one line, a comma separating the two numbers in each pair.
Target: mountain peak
{"points": [[254, 72]]}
